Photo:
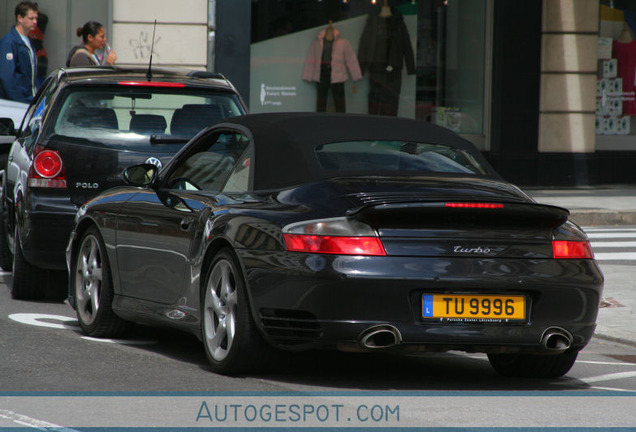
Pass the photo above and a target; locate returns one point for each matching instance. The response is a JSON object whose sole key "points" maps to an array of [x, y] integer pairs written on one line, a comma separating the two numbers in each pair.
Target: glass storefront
{"points": [[424, 59], [615, 89]]}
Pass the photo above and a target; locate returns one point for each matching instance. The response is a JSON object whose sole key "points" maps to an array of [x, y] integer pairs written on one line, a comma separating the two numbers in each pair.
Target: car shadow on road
{"points": [[333, 370], [423, 372], [55, 290]]}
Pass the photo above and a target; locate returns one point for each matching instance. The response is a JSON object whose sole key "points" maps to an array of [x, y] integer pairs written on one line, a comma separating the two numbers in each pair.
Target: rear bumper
{"points": [[304, 300], [44, 233]]}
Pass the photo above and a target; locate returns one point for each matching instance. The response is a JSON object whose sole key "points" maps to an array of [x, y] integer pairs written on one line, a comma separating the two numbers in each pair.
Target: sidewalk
{"points": [[609, 205], [604, 207]]}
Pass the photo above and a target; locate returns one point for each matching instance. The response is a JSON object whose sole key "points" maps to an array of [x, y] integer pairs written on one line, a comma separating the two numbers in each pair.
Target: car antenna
{"points": [[152, 47]]}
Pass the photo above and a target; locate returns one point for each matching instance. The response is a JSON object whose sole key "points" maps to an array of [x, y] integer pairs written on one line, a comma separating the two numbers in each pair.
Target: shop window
{"points": [[615, 87], [421, 59]]}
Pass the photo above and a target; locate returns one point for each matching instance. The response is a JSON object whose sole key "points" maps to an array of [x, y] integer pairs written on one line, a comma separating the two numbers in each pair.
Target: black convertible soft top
{"points": [[285, 143]]}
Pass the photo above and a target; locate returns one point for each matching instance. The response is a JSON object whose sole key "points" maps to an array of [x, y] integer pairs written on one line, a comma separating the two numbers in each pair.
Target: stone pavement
{"points": [[593, 206], [598, 207]]}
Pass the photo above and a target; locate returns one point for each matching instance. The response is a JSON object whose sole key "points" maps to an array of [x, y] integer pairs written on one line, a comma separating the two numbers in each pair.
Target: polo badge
{"points": [[9, 56]]}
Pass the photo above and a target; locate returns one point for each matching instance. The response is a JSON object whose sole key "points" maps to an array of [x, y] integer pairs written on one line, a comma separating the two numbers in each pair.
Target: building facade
{"points": [[539, 86], [517, 78], [181, 33]]}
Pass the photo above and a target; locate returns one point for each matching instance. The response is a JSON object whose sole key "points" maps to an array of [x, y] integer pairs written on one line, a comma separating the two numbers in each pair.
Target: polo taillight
{"points": [[47, 170], [340, 236], [562, 249]]}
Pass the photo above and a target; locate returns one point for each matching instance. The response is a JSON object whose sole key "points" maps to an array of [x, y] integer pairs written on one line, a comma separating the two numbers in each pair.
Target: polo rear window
{"points": [[138, 117]]}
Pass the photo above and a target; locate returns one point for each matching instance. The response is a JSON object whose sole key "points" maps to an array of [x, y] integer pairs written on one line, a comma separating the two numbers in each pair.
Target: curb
{"points": [[619, 340], [584, 217]]}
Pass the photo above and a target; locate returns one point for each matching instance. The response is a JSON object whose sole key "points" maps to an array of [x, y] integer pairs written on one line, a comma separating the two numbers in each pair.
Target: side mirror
{"points": [[6, 126], [141, 175]]}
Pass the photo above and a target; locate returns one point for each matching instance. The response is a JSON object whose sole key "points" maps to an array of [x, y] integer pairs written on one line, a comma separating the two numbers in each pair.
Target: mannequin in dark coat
{"points": [[385, 47]]}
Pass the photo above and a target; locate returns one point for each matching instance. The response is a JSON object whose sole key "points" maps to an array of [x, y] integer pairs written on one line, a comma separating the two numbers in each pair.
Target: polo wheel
{"points": [[93, 289], [533, 365], [230, 337]]}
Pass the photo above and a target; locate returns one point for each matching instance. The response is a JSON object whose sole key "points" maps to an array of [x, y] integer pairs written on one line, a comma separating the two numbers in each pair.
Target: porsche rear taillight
{"points": [[340, 236], [562, 249], [47, 170], [334, 245]]}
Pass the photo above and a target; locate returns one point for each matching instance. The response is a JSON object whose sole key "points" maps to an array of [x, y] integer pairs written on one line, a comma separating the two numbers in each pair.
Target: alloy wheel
{"points": [[220, 310], [88, 279]]}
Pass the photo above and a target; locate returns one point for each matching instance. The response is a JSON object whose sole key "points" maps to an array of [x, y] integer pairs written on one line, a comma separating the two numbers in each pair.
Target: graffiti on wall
{"points": [[142, 45]]}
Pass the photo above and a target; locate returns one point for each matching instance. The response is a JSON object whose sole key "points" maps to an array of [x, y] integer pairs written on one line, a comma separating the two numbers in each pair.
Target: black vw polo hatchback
{"points": [[83, 128]]}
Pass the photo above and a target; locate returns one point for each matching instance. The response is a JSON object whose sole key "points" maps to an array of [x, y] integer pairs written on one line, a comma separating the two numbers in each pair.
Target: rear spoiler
{"points": [[457, 213]]}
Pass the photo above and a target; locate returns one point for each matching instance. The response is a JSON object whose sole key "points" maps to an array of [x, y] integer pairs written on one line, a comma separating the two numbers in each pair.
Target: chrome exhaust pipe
{"points": [[557, 339], [380, 336]]}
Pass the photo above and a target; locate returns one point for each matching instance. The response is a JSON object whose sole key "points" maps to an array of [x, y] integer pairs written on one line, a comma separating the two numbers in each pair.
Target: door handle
{"points": [[185, 223]]}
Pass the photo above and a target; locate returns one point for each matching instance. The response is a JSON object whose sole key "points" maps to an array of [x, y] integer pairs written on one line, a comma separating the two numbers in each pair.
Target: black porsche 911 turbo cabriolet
{"points": [[301, 231]]}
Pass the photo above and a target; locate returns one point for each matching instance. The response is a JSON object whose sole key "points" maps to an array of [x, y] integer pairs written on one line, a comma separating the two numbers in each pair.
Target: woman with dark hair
{"points": [[94, 38]]}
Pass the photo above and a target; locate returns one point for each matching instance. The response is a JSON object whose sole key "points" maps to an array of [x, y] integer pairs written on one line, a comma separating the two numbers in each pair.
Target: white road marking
{"points": [[621, 243], [615, 229], [120, 341], [616, 234], [613, 389], [610, 244], [67, 323], [608, 377], [614, 256], [31, 422], [604, 363], [36, 319]]}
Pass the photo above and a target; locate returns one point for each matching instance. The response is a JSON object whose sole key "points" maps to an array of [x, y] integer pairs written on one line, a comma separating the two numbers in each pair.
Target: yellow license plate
{"points": [[474, 308]]}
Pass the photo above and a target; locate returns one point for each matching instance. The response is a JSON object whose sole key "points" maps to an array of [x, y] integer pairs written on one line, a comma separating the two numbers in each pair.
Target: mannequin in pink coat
{"points": [[329, 58]]}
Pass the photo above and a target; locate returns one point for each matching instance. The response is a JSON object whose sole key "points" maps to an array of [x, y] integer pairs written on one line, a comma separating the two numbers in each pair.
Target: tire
{"points": [[93, 289], [6, 255], [230, 337], [533, 365], [29, 282]]}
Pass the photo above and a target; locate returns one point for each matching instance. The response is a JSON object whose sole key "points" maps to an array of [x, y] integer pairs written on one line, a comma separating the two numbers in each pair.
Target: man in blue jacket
{"points": [[17, 57]]}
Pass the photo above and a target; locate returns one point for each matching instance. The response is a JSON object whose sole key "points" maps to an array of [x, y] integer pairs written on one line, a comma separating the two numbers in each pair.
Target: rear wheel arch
{"points": [[80, 229], [213, 248]]}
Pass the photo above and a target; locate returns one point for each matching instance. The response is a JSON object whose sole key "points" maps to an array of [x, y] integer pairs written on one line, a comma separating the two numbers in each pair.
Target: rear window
{"points": [[396, 156], [134, 117]]}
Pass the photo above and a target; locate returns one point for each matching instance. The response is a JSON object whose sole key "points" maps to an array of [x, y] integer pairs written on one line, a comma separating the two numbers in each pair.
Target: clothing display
{"points": [[329, 58], [385, 47], [17, 68], [625, 53]]}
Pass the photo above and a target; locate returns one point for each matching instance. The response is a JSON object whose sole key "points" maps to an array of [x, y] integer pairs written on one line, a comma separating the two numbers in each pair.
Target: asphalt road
{"points": [[43, 353]]}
